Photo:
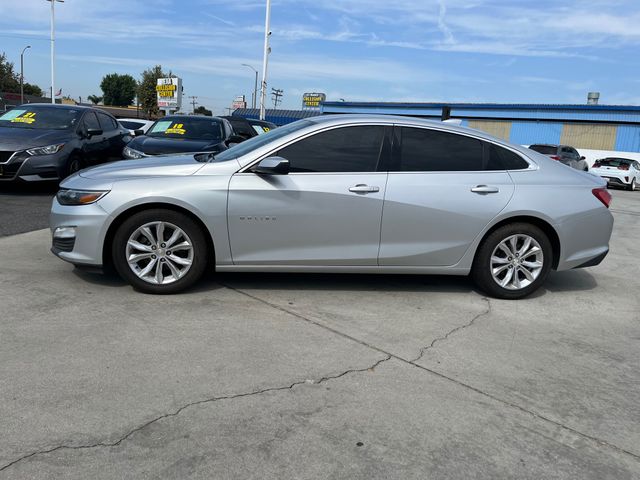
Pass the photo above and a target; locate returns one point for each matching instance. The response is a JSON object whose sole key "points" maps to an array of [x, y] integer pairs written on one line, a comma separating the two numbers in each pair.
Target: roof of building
{"points": [[503, 106]]}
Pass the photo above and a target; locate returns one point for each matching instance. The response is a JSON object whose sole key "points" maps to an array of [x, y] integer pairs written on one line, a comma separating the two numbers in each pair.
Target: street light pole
{"points": [[53, 49], [22, 74], [265, 60], [254, 97]]}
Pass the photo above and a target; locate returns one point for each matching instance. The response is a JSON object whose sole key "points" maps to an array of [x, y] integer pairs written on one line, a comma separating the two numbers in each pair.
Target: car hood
{"points": [[12, 139], [159, 146], [148, 167]]}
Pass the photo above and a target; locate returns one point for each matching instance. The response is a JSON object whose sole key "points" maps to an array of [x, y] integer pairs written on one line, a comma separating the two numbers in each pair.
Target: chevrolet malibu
{"points": [[354, 194]]}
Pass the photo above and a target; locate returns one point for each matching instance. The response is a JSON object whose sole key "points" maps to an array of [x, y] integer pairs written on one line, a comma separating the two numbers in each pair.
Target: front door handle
{"points": [[485, 189], [361, 188]]}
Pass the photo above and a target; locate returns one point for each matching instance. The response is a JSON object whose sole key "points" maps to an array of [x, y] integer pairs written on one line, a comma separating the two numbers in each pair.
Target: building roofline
{"points": [[485, 106]]}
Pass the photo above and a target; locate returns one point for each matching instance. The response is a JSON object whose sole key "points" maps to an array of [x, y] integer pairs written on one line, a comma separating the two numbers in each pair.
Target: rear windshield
{"points": [[41, 117], [612, 162], [192, 128], [545, 149]]}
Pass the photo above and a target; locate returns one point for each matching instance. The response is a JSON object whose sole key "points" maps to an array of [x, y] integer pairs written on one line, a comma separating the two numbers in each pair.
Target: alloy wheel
{"points": [[159, 253], [516, 262]]}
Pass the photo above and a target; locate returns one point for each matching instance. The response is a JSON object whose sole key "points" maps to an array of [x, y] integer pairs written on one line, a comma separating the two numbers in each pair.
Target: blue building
{"points": [[597, 127]]}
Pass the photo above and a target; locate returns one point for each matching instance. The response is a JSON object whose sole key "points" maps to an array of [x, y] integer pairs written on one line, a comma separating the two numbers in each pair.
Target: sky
{"points": [[505, 51]]}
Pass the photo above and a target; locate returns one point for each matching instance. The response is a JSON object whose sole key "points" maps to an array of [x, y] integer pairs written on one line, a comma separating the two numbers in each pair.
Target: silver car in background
{"points": [[344, 193]]}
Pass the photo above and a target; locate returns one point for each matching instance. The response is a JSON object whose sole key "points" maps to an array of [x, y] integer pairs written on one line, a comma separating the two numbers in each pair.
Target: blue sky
{"points": [[544, 51]]}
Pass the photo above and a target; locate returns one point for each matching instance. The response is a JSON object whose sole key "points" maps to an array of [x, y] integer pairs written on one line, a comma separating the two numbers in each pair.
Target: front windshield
{"points": [[247, 146], [41, 117], [192, 128]]}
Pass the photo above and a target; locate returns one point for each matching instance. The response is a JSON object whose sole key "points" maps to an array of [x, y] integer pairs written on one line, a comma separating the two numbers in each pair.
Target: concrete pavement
{"points": [[319, 376]]}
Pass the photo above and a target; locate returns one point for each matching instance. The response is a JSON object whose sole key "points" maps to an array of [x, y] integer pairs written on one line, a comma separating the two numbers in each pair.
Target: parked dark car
{"points": [[183, 134], [43, 142], [249, 127], [562, 153]]}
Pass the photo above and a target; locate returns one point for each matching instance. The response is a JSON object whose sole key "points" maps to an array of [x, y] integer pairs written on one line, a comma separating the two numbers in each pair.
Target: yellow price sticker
{"points": [[176, 129], [28, 118]]}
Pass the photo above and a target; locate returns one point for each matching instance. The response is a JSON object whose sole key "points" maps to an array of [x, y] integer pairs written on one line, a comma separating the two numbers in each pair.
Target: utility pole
{"points": [[265, 60], [193, 102], [53, 49], [254, 96], [277, 94], [22, 74]]}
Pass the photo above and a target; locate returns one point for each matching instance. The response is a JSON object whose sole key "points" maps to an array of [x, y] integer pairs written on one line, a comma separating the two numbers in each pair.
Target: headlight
{"points": [[79, 197], [48, 150], [130, 153]]}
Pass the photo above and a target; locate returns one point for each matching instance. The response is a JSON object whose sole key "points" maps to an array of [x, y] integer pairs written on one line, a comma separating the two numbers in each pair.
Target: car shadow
{"points": [[48, 189], [569, 281]]}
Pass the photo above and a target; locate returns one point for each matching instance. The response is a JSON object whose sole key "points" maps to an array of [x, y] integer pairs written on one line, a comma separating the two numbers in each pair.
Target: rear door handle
{"points": [[485, 189], [361, 188]]}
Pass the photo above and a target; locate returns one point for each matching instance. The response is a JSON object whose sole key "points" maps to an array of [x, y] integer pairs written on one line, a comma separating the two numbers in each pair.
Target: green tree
{"points": [[95, 99], [147, 90], [9, 79], [203, 111], [118, 89]]}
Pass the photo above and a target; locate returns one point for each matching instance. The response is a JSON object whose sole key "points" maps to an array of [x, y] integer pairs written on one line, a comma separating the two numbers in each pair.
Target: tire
{"points": [[492, 257], [74, 164], [632, 185], [139, 262]]}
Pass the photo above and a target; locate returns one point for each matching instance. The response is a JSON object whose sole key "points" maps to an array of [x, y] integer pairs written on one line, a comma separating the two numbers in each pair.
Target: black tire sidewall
{"points": [[481, 270], [191, 228]]}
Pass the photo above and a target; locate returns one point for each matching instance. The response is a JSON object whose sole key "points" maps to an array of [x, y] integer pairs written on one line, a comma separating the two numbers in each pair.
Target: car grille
{"points": [[9, 170], [4, 156], [64, 244]]}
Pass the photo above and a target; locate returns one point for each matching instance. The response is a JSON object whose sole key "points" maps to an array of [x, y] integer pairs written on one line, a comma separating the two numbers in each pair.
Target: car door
{"points": [[326, 211], [93, 147], [442, 191], [113, 137]]}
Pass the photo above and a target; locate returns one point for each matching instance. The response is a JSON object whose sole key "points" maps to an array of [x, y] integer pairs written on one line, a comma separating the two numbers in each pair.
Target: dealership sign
{"points": [[169, 93], [313, 100], [239, 102]]}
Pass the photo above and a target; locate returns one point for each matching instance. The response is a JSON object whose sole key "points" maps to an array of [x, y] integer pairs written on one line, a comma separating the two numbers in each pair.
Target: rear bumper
{"points": [[616, 179], [595, 260], [585, 239]]}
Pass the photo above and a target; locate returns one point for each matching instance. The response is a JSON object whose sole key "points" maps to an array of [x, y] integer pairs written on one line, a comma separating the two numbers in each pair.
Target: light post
{"points": [[53, 49], [22, 74], [265, 60], [255, 87]]}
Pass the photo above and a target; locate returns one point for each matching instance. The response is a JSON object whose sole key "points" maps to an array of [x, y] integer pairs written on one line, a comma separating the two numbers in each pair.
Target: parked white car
{"points": [[621, 172], [133, 124]]}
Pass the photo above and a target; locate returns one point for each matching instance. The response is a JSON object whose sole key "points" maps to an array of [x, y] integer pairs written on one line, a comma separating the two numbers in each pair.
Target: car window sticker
{"points": [[27, 118], [161, 127], [11, 114], [176, 129]]}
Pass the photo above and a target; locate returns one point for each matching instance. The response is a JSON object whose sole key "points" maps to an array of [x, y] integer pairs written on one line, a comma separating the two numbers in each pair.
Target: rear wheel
{"points": [[160, 251], [513, 261]]}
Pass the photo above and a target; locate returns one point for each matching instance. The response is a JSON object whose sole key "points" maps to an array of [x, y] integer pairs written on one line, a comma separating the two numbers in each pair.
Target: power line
{"points": [[276, 95]]}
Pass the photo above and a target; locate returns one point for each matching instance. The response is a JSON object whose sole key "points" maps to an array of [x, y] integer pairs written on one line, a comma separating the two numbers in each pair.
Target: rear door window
{"points": [[426, 150], [108, 124], [91, 121]]}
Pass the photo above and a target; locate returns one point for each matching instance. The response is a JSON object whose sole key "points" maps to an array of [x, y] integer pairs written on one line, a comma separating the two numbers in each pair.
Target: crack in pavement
{"points": [[193, 404], [557, 423], [451, 332]]}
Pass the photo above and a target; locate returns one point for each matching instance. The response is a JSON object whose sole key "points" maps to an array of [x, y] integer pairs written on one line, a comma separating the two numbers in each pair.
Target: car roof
{"points": [[205, 117], [58, 105], [135, 119]]}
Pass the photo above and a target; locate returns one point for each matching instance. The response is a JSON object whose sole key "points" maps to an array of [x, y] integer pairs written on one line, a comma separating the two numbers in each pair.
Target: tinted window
{"points": [[347, 149], [91, 121], [426, 150], [242, 128], [545, 149], [41, 117], [131, 125], [107, 122], [611, 162], [503, 159]]}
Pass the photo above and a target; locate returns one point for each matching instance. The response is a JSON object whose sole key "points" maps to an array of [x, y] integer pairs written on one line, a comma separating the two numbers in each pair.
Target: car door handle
{"points": [[361, 188], [485, 189]]}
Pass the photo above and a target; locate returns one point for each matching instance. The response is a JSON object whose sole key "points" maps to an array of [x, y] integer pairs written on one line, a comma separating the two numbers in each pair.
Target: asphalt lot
{"points": [[320, 376], [24, 208]]}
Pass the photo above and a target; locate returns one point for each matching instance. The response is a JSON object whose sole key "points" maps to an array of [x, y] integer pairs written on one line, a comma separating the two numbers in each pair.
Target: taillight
{"points": [[554, 157], [603, 195], [624, 166]]}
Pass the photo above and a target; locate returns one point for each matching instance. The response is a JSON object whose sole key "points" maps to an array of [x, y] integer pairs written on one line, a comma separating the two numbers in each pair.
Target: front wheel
{"points": [[160, 251], [513, 261], [632, 185]]}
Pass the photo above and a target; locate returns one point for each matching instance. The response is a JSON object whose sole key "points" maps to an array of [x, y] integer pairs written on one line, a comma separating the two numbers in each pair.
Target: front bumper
{"points": [[34, 168], [90, 224]]}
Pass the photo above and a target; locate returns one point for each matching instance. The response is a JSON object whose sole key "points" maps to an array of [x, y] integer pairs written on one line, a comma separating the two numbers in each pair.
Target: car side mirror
{"points": [[272, 166], [91, 132], [583, 157], [235, 139], [138, 132]]}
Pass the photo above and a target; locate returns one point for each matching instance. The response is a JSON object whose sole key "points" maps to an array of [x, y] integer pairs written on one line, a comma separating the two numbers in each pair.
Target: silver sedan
{"points": [[347, 193]]}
